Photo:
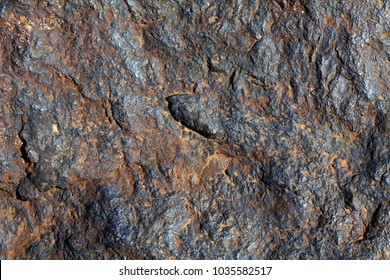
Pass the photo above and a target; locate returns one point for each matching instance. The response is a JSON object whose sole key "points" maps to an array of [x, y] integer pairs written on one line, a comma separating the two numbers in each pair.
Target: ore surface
{"points": [[198, 129]]}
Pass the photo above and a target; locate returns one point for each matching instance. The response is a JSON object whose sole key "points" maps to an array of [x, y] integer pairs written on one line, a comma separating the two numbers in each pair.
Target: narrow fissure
{"points": [[30, 165]]}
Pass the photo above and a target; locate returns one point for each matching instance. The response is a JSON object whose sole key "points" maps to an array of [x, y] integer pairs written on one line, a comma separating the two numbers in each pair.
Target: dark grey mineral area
{"points": [[205, 129]]}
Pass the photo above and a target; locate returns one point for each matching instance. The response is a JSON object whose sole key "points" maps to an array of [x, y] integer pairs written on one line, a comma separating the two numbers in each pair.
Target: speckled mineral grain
{"points": [[194, 129]]}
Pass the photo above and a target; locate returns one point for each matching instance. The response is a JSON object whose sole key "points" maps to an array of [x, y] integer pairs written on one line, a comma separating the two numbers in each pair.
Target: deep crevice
{"points": [[128, 7], [30, 164], [23, 151]]}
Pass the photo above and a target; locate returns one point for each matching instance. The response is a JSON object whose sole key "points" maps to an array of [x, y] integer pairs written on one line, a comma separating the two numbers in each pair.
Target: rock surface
{"points": [[199, 129]]}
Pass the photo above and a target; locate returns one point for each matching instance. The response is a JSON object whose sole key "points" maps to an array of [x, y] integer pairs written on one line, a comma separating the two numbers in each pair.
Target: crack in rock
{"points": [[196, 115]]}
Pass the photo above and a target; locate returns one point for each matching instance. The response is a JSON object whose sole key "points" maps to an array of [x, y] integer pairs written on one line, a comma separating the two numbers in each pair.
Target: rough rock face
{"points": [[194, 129]]}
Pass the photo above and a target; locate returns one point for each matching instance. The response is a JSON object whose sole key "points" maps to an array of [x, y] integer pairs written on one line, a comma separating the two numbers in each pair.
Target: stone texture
{"points": [[194, 129]]}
